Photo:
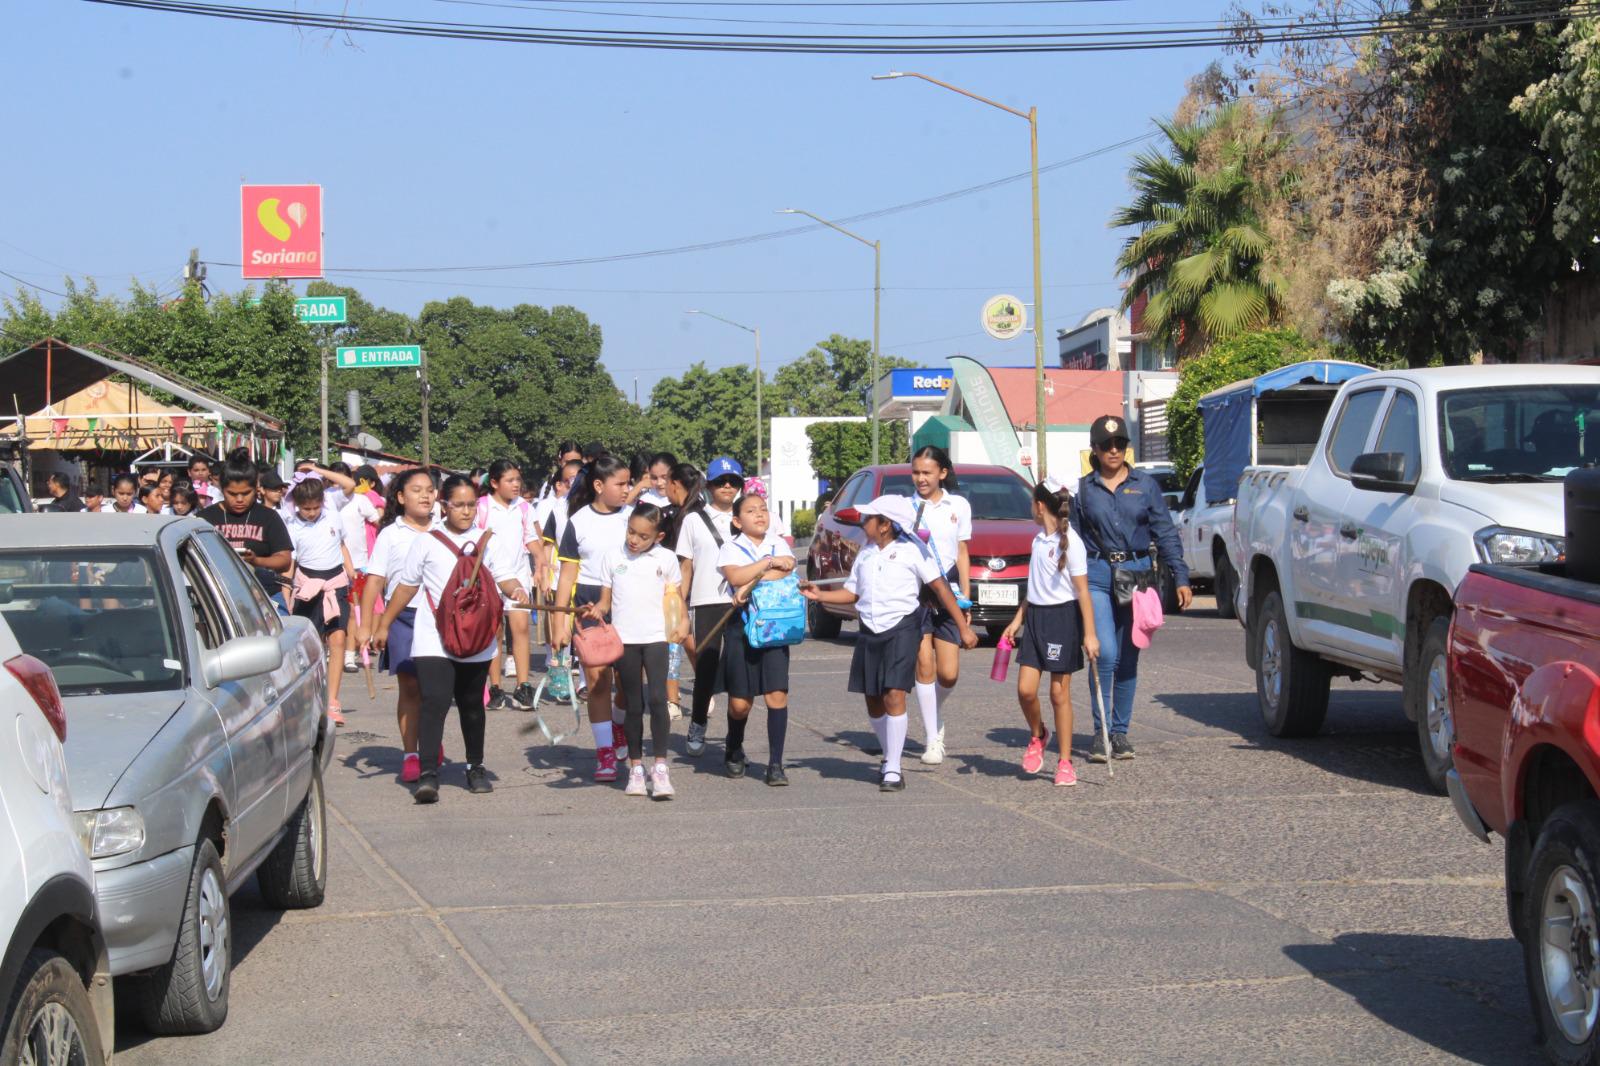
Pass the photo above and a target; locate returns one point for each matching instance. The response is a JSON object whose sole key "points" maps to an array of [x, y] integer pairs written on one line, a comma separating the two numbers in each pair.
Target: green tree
{"points": [[1235, 359], [705, 413], [829, 380], [839, 449]]}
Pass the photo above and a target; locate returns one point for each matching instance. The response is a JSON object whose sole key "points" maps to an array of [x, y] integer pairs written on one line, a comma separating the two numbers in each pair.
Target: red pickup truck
{"points": [[1524, 658]]}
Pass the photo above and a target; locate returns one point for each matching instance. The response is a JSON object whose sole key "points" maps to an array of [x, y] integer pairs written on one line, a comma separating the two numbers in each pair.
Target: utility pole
{"points": [[322, 357], [195, 271], [422, 372]]}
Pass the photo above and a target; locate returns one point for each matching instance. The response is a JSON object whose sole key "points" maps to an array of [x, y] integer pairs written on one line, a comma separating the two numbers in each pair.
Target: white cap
{"points": [[897, 509]]}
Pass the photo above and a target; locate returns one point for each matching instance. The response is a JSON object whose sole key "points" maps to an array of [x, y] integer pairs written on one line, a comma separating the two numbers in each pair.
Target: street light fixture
{"points": [[757, 331], [877, 305], [1032, 115]]}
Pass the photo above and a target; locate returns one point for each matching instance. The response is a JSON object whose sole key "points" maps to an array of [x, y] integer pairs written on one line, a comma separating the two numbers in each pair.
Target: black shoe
{"points": [[894, 783], [478, 779], [427, 790], [1097, 749], [775, 775], [733, 762], [1121, 746], [522, 698], [499, 701]]}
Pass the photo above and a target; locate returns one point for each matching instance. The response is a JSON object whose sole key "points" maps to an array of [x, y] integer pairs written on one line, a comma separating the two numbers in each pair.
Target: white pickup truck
{"points": [[1348, 565]]}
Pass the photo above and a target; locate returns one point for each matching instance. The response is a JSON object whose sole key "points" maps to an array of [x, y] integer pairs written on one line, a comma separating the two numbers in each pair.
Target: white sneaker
{"points": [[660, 783], [933, 754], [635, 782], [674, 712]]}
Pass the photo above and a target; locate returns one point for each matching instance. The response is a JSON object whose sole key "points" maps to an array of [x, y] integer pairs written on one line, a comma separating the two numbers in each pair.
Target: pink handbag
{"points": [[597, 645]]}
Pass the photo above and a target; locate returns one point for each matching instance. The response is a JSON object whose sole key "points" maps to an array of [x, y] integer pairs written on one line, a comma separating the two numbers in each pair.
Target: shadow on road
{"points": [[1452, 971]]}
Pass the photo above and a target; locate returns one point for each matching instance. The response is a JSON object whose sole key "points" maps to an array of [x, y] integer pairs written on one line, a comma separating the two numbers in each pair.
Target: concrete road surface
{"points": [[1227, 898]]}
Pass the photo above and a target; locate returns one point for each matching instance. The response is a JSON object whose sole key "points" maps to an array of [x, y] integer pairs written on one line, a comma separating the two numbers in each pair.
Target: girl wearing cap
{"points": [[1054, 626], [947, 518], [1120, 513], [886, 585], [706, 526]]}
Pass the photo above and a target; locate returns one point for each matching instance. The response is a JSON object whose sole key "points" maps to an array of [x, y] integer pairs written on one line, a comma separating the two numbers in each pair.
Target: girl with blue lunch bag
{"points": [[755, 655]]}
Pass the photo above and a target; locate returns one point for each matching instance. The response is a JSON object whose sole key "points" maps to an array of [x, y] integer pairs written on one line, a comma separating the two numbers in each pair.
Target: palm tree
{"points": [[1200, 248]]}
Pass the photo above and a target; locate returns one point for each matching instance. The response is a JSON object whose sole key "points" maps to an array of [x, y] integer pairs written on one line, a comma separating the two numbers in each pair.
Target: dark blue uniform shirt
{"points": [[1127, 520]]}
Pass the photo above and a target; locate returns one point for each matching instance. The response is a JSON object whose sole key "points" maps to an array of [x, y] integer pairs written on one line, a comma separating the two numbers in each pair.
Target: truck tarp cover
{"points": [[1228, 415]]}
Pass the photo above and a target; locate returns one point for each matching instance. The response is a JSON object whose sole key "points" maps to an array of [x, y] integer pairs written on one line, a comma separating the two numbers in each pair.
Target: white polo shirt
{"points": [[353, 521], [696, 544], [638, 585], [589, 536], [1048, 583], [389, 551], [428, 565], [948, 522], [316, 544], [742, 551], [888, 581], [514, 523]]}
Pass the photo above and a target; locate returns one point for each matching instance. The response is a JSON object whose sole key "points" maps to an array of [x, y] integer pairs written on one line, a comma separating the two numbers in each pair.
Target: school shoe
{"points": [[1033, 758], [1121, 746], [635, 782], [350, 666], [335, 712], [1097, 749], [410, 768], [892, 783], [697, 738], [775, 775], [606, 764], [522, 698], [933, 754], [1065, 774], [733, 762], [478, 779], [660, 783], [674, 712], [427, 790]]}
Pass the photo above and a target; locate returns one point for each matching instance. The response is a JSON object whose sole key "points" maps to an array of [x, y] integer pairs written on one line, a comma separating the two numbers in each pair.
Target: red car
{"points": [[1002, 537]]}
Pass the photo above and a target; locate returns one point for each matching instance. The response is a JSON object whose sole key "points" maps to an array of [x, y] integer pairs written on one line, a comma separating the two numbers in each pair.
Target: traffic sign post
{"points": [[368, 356]]}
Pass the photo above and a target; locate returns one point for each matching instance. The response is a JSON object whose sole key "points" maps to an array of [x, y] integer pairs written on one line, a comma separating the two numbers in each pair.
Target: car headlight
{"points": [[116, 831], [1511, 547]]}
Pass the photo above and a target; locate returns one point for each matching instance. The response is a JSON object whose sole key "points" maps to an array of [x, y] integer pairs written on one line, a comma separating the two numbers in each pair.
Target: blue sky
{"points": [[132, 131]]}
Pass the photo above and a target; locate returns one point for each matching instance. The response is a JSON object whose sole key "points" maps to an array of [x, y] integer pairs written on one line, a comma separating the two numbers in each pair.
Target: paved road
{"points": [[1228, 897]]}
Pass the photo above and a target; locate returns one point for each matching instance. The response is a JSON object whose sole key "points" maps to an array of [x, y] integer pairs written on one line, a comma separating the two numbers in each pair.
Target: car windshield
{"points": [[992, 496], [98, 617], [10, 502], [1518, 432]]}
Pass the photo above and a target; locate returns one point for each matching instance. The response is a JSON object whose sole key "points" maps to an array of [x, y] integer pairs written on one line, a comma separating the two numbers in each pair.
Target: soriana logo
{"points": [[282, 231]]}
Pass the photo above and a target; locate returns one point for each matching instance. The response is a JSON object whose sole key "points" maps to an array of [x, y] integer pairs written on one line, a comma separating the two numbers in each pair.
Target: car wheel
{"points": [[1291, 684], [1428, 693], [823, 626], [1561, 951], [1225, 584], [295, 875], [190, 993], [49, 1020]]}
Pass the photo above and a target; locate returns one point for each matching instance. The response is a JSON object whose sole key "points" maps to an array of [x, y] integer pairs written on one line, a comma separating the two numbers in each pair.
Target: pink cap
{"points": [[1147, 616]]}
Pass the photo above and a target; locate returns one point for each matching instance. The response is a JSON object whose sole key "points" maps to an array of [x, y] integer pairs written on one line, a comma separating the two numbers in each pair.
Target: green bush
{"points": [[1244, 356], [839, 449], [803, 523]]}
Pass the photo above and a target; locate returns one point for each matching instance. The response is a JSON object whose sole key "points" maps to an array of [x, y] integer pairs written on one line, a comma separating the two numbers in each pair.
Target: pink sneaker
{"points": [[411, 768], [1065, 774], [1033, 758], [606, 770], [335, 713]]}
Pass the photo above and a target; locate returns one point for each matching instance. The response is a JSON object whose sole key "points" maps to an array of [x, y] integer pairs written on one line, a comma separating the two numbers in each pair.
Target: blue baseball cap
{"points": [[722, 467]]}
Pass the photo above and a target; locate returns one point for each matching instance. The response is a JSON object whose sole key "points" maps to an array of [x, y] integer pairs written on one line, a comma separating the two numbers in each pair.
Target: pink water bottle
{"points": [[1002, 660]]}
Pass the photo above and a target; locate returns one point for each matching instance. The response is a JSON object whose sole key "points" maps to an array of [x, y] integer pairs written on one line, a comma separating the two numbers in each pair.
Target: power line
{"points": [[31, 285]]}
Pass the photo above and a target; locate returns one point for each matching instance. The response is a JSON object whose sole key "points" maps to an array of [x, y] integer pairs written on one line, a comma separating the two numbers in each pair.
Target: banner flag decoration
{"points": [[94, 423], [178, 424], [58, 426]]}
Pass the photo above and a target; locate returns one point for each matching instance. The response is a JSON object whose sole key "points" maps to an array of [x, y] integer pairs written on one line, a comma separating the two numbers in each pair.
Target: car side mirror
{"points": [[240, 658], [1381, 472], [848, 516]]}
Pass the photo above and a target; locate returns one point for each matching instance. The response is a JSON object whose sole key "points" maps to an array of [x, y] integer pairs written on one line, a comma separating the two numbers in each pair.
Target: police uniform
{"points": [[888, 583]]}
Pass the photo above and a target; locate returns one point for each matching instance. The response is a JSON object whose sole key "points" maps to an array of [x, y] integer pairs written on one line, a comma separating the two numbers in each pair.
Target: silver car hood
{"points": [[105, 734]]}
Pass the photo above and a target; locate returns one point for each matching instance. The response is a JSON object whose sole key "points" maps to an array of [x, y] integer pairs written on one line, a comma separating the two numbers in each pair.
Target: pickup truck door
{"points": [[1317, 511], [1372, 542], [1184, 520]]}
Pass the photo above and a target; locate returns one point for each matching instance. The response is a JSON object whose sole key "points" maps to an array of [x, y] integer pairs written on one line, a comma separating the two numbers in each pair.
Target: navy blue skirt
{"points": [[937, 621], [886, 661], [750, 672], [396, 657], [1052, 638]]}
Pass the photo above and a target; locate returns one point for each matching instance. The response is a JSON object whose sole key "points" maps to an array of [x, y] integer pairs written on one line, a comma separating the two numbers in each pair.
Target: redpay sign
{"points": [[282, 231]]}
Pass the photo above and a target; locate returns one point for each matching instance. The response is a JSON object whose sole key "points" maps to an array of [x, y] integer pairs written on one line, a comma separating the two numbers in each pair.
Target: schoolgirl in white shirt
{"points": [[1054, 626], [637, 581], [320, 582], [408, 513], [705, 524], [886, 585], [947, 519], [754, 554], [503, 510]]}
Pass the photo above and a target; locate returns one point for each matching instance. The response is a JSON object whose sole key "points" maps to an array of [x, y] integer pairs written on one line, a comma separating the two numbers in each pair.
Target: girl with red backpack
{"points": [[456, 631]]}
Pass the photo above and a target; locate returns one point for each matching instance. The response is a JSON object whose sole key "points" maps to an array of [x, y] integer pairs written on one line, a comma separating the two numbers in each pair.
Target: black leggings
{"points": [[443, 680], [642, 675], [707, 660]]}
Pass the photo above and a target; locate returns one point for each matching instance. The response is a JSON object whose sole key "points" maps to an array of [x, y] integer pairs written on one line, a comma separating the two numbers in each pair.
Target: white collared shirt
{"points": [[428, 566], [948, 522], [316, 544], [696, 544], [512, 522], [742, 551], [638, 585], [1049, 583], [888, 581]]}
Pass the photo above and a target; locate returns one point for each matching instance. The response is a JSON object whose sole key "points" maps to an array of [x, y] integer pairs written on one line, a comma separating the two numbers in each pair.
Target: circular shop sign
{"points": [[1004, 317]]}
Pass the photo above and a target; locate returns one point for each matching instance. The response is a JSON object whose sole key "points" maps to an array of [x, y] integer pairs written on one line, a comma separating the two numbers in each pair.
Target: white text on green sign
{"points": [[320, 310], [379, 356]]}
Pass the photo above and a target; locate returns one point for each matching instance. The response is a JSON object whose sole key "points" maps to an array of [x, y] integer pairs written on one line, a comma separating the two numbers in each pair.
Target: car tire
{"points": [[50, 1004], [1562, 947], [1427, 694], [189, 994], [1225, 584], [295, 874], [823, 626], [1291, 683]]}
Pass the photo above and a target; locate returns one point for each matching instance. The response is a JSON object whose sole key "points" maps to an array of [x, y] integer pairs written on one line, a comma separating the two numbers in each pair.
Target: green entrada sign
{"points": [[320, 310], [381, 355]]}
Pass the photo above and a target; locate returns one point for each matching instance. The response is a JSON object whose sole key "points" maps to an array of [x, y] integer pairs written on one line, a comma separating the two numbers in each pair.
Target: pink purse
{"points": [[597, 645]]}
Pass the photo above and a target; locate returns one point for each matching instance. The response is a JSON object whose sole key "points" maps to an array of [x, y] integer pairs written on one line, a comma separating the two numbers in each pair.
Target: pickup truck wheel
{"points": [[823, 626], [49, 1021], [1291, 684], [295, 875], [1428, 692], [190, 993], [1561, 952], [1225, 584]]}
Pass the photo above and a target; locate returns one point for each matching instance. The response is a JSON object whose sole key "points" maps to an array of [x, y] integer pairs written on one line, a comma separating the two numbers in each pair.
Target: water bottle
{"points": [[1002, 660]]}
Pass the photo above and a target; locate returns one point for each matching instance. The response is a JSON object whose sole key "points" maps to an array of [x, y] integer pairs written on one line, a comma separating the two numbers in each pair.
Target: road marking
{"points": [[432, 913]]}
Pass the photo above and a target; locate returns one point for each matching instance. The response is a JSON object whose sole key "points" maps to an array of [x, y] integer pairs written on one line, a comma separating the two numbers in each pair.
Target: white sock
{"points": [[618, 715], [880, 731], [944, 694], [928, 704], [895, 724], [602, 734]]}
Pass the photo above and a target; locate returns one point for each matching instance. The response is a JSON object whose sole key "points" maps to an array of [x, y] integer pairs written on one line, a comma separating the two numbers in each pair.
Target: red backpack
{"points": [[469, 610]]}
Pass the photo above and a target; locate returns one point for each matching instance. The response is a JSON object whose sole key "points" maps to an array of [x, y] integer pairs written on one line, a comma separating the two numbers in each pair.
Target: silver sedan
{"points": [[198, 739]]}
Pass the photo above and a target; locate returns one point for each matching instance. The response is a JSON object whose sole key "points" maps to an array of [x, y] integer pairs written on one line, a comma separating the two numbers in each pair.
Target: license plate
{"points": [[997, 595]]}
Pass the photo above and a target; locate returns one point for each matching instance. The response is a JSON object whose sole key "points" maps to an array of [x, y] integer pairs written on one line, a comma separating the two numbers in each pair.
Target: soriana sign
{"points": [[282, 231]]}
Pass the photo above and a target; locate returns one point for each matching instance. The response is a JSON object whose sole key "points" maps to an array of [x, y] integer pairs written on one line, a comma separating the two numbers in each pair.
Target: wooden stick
{"points": [[737, 605]]}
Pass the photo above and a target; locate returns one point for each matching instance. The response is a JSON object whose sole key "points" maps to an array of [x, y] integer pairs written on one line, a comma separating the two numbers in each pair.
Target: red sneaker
{"points": [[1066, 776], [335, 713], [411, 768], [1033, 758], [606, 769]]}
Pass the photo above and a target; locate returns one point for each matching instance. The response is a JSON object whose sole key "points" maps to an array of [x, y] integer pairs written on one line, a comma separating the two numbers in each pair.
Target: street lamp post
{"points": [[877, 306], [1032, 115], [756, 330]]}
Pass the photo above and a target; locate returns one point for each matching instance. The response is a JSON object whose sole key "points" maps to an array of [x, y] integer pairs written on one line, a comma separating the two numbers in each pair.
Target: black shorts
{"points": [[1052, 638], [886, 661], [750, 672]]}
